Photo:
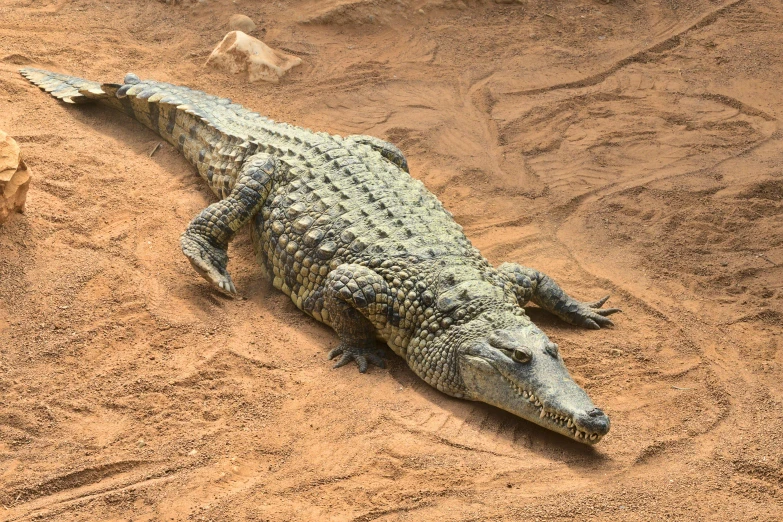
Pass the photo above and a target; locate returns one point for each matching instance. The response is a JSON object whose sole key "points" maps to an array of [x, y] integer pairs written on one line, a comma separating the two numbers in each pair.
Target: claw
{"points": [[591, 315], [589, 323], [363, 357], [208, 261], [602, 321], [599, 303], [227, 285]]}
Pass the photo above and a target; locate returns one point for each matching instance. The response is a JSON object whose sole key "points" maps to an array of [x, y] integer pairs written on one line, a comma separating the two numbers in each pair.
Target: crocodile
{"points": [[340, 226]]}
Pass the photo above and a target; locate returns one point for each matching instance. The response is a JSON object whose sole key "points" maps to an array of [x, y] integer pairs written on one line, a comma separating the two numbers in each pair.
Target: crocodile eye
{"points": [[521, 356], [551, 349]]}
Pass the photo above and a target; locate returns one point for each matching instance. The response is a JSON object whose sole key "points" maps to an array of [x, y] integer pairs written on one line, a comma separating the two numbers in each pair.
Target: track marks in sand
{"points": [[114, 488], [74, 480], [633, 125], [343, 12], [113, 480], [644, 55]]}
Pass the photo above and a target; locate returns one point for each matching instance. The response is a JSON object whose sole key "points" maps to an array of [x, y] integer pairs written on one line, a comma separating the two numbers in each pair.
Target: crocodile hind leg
{"points": [[355, 298], [532, 285], [205, 241], [386, 149]]}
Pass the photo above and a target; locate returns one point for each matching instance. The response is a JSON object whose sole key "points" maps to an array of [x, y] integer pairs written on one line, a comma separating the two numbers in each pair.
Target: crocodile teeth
{"points": [[562, 420]]}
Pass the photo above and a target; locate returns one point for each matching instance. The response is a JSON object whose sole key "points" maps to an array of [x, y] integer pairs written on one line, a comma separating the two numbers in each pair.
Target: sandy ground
{"points": [[627, 147]]}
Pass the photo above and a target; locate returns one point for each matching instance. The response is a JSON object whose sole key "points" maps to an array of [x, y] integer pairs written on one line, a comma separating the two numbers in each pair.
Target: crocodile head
{"points": [[480, 345], [518, 369]]}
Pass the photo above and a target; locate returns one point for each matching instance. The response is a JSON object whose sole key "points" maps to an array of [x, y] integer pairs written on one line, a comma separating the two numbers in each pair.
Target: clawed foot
{"points": [[362, 356], [590, 315], [209, 261]]}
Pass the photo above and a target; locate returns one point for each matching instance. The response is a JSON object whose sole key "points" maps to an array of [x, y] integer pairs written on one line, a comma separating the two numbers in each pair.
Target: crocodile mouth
{"points": [[563, 422]]}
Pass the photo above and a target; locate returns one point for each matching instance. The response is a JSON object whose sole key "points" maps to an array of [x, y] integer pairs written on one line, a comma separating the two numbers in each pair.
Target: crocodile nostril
{"points": [[595, 412], [593, 421]]}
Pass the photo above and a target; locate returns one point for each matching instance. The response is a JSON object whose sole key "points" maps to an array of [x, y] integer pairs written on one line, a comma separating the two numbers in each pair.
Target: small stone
{"points": [[193, 452], [141, 443], [14, 178], [615, 352], [240, 22]]}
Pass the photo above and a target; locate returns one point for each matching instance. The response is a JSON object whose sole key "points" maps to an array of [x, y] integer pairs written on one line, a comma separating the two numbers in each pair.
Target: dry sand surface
{"points": [[624, 147]]}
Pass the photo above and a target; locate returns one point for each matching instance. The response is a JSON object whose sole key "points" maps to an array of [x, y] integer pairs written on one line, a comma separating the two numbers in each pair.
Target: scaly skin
{"points": [[340, 226]]}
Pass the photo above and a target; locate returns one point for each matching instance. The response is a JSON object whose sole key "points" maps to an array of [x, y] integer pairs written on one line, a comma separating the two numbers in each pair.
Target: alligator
{"points": [[340, 226]]}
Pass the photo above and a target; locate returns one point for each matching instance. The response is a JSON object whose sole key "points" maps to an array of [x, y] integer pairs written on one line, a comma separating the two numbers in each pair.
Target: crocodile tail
{"points": [[69, 89]]}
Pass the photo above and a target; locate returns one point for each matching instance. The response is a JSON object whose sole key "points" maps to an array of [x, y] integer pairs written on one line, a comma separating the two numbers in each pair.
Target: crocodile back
{"points": [[342, 202]]}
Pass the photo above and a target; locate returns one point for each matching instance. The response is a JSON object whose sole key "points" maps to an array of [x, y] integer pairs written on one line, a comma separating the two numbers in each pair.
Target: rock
{"points": [[14, 178], [240, 22], [239, 52]]}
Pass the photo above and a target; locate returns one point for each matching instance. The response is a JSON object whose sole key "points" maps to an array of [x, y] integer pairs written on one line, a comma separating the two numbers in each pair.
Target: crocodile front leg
{"points": [[532, 285], [386, 149], [205, 241], [356, 300]]}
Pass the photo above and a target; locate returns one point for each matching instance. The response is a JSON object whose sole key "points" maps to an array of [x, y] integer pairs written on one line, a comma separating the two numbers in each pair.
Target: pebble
{"points": [[240, 22]]}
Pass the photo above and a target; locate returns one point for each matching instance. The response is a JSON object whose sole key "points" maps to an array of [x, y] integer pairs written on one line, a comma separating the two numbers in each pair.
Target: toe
{"points": [[226, 284], [345, 359], [362, 362], [377, 360], [335, 352], [589, 323], [602, 321]]}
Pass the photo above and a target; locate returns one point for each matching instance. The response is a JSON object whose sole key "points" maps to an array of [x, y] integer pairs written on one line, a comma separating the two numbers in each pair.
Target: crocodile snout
{"points": [[593, 421]]}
